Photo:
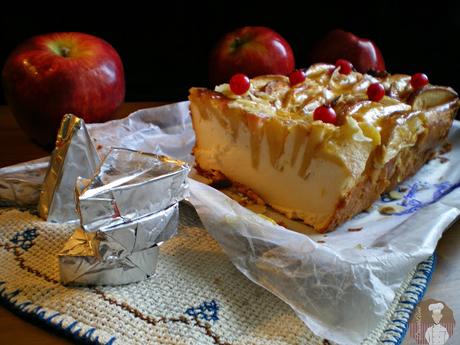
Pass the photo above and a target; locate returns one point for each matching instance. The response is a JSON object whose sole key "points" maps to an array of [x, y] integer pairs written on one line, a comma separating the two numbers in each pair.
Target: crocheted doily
{"points": [[196, 296]]}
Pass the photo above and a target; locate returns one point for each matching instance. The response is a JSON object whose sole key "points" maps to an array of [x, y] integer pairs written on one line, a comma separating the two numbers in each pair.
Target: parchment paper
{"points": [[339, 284]]}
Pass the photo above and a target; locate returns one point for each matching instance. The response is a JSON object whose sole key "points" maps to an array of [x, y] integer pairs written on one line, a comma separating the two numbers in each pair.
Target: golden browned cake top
{"points": [[273, 95]]}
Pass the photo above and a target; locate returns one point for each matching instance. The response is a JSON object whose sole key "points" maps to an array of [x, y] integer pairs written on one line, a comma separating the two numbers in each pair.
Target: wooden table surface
{"points": [[15, 148]]}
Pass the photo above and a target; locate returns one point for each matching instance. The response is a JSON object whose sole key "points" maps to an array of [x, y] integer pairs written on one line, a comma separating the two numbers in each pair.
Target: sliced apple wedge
{"points": [[433, 96]]}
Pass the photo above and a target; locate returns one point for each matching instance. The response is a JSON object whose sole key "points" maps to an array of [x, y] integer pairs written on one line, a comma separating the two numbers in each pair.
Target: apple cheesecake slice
{"points": [[321, 147]]}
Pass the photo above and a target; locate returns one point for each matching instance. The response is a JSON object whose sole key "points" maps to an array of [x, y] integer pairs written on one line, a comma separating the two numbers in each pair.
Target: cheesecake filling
{"points": [[268, 141]]}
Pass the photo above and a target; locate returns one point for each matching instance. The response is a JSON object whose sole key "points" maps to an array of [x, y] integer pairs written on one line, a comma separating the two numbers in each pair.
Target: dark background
{"points": [[165, 48]]}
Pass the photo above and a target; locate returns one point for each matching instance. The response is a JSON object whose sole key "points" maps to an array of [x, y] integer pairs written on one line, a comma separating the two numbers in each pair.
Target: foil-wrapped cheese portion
{"points": [[80, 263], [127, 209], [117, 255], [73, 156], [129, 185], [124, 239]]}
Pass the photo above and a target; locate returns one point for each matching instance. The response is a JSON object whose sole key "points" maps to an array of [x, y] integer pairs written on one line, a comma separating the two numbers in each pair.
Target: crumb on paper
{"points": [[321, 241], [359, 246], [355, 229], [389, 210], [395, 195], [98, 147], [443, 159]]}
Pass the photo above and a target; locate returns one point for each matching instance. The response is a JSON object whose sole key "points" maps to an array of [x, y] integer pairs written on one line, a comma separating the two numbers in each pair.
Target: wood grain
{"points": [[18, 331], [15, 147]]}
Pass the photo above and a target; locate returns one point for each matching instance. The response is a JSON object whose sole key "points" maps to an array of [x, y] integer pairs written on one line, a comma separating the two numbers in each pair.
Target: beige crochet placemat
{"points": [[196, 296]]}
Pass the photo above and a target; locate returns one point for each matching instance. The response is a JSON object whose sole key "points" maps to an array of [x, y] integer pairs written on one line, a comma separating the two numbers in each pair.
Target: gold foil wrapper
{"points": [[73, 156], [80, 263]]}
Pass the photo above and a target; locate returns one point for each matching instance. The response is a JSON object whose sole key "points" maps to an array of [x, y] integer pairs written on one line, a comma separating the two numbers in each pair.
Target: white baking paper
{"points": [[340, 284]]}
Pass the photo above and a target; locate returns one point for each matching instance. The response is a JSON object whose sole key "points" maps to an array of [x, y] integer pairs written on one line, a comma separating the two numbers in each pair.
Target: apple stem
{"points": [[64, 51], [238, 42]]}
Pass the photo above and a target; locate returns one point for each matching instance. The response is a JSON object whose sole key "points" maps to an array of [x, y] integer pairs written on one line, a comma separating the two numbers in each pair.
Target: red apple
{"points": [[339, 44], [53, 74], [251, 50]]}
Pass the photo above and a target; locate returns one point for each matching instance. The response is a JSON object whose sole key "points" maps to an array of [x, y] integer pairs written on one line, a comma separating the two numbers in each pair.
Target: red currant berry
{"points": [[418, 80], [375, 92], [326, 114], [239, 84], [297, 77], [345, 66]]}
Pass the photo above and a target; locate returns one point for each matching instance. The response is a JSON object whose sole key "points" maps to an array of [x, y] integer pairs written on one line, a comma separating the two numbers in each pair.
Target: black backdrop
{"points": [[165, 48]]}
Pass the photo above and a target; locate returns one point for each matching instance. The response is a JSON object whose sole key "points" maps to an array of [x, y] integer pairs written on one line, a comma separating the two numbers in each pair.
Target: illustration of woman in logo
{"points": [[436, 334]]}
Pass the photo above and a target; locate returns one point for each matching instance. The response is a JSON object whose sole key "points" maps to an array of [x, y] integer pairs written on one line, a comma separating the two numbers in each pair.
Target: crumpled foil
{"points": [[127, 209], [129, 185], [120, 254], [80, 263], [124, 239], [73, 156]]}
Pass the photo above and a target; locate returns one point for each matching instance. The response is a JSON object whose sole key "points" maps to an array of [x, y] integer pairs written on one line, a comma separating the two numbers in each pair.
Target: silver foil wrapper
{"points": [[80, 263], [122, 240], [129, 185], [73, 156], [126, 210], [117, 255]]}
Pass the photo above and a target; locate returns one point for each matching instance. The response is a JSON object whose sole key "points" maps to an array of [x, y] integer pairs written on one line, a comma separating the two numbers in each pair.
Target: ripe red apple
{"points": [[339, 44], [53, 74], [251, 50]]}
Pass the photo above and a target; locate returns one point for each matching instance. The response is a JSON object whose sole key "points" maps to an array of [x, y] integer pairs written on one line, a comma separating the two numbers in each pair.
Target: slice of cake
{"points": [[322, 147]]}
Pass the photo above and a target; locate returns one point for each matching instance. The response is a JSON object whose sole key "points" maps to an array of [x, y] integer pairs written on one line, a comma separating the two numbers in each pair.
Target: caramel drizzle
{"points": [[276, 137], [255, 127], [301, 133], [314, 141]]}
